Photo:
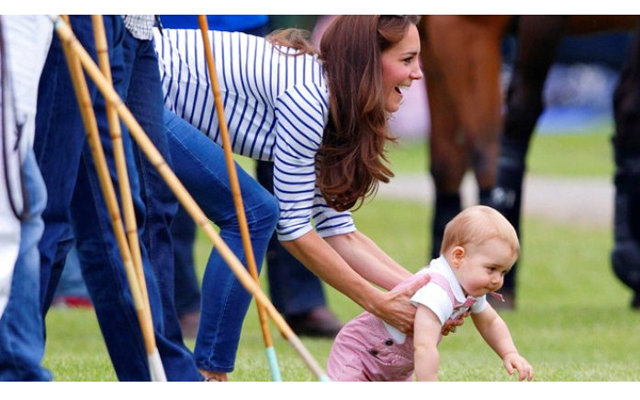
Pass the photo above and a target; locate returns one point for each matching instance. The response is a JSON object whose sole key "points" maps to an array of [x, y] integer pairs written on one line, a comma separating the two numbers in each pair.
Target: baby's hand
{"points": [[451, 325], [516, 361]]}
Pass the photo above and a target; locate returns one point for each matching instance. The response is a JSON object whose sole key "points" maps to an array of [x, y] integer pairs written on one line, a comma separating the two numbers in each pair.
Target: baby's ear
{"points": [[457, 254]]}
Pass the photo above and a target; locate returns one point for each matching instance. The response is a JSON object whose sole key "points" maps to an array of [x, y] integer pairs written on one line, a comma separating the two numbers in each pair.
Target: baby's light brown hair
{"points": [[477, 224]]}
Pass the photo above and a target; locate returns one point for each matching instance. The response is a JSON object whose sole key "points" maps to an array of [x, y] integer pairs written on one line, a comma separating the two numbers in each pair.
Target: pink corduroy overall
{"points": [[365, 351]]}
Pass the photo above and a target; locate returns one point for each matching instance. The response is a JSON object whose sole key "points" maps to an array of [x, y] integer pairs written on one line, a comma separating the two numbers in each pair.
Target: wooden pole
{"points": [[121, 164], [93, 137], [237, 195], [189, 204]]}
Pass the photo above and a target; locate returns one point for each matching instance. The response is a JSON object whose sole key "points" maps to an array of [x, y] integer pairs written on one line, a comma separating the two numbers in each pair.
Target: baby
{"points": [[479, 247]]}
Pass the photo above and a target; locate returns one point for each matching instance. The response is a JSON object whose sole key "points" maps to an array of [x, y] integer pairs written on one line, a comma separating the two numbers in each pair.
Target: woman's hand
{"points": [[396, 309]]}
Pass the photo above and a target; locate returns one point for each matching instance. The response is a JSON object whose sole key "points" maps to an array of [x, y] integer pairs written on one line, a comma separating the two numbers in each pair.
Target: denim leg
{"points": [[21, 326], [74, 187], [105, 277], [144, 99], [58, 143], [200, 165], [98, 253], [100, 259], [186, 286], [294, 289]]}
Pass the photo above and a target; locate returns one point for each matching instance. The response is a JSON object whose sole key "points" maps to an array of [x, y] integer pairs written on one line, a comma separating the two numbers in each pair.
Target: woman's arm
{"points": [[496, 333], [350, 265], [368, 260]]}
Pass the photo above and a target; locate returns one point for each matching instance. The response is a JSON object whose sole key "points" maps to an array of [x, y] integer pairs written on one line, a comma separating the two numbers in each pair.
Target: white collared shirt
{"points": [[437, 299]]}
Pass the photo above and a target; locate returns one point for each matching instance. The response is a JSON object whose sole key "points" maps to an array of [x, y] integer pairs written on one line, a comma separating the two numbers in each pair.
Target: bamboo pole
{"points": [[131, 227], [237, 197], [184, 197], [91, 127]]}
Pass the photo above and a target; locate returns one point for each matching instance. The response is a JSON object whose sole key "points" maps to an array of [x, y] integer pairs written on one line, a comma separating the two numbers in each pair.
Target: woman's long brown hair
{"points": [[351, 159]]}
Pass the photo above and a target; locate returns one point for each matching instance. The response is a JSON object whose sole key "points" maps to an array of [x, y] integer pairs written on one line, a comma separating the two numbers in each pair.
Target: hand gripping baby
{"points": [[479, 247]]}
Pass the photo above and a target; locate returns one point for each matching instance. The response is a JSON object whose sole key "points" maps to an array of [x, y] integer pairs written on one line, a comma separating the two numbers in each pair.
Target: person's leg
{"points": [[21, 326], [199, 163], [144, 99], [186, 286], [99, 254], [187, 289], [59, 138], [295, 291], [59, 147], [106, 281]]}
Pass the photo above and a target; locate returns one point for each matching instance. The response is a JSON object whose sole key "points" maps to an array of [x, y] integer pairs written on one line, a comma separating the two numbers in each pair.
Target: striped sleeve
{"points": [[328, 221], [301, 112]]}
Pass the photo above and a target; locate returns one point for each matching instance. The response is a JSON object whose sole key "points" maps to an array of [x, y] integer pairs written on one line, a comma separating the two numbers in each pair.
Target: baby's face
{"points": [[481, 269]]}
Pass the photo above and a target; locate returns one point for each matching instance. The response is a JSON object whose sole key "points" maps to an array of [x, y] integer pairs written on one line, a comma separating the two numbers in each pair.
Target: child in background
{"points": [[478, 249]]}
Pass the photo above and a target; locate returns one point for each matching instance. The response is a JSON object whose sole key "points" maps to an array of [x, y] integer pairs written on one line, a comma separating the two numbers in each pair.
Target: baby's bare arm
{"points": [[427, 328], [496, 333]]}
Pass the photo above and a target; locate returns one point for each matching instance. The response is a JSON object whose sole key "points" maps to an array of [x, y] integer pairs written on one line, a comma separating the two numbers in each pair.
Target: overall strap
{"points": [[443, 282]]}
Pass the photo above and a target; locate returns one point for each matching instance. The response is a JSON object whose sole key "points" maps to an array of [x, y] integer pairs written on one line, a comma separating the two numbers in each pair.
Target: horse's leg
{"points": [[538, 37], [625, 256], [448, 165], [468, 49], [448, 160]]}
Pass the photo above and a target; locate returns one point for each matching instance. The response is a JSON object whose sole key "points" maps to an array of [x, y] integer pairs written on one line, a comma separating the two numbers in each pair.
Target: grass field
{"points": [[573, 322]]}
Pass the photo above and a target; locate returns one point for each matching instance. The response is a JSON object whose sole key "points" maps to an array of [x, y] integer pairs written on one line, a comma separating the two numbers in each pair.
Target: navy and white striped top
{"points": [[276, 107]]}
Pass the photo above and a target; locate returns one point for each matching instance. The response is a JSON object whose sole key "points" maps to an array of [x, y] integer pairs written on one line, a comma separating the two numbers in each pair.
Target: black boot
{"points": [[625, 256], [506, 197], [446, 207]]}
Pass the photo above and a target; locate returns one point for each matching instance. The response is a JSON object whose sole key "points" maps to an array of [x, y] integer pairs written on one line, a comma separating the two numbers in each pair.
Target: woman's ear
{"points": [[457, 254]]}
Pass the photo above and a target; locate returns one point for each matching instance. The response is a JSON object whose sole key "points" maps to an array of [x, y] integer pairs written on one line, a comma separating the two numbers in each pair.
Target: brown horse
{"points": [[462, 60]]}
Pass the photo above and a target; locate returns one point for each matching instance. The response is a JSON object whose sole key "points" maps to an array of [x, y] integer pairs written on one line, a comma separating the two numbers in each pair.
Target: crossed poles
{"points": [[78, 58]]}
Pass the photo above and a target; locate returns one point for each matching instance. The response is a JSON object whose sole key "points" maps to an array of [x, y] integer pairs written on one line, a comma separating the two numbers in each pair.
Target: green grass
{"points": [[573, 322], [572, 155], [583, 155]]}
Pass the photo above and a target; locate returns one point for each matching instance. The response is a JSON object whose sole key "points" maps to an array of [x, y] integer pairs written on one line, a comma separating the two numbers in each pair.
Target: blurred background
{"points": [[578, 91]]}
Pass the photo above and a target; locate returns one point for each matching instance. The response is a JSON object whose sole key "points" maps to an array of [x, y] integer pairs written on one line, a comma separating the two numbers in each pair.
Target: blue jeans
{"points": [[145, 100], [186, 286], [76, 208], [294, 289], [21, 326], [199, 163]]}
